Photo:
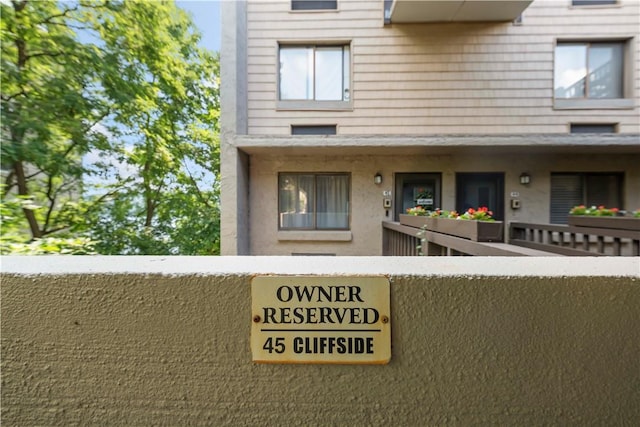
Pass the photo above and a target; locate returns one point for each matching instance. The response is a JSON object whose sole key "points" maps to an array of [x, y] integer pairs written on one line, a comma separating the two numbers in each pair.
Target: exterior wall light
{"points": [[525, 178], [377, 179]]}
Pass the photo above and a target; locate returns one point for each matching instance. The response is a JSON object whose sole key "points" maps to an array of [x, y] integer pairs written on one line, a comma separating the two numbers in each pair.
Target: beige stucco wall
{"points": [[367, 211], [165, 341]]}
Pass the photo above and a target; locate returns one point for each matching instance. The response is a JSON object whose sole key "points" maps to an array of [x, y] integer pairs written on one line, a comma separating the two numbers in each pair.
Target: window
{"points": [[589, 189], [313, 130], [589, 70], [592, 2], [314, 73], [593, 128], [314, 4], [313, 201]]}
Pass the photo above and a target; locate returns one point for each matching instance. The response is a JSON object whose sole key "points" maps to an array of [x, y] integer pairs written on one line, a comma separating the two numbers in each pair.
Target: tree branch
{"points": [[195, 184], [39, 54], [63, 14], [52, 202], [23, 190], [54, 230], [18, 6], [7, 98], [9, 183]]}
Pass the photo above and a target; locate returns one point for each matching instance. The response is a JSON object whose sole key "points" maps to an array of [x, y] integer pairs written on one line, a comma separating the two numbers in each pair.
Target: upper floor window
{"points": [[314, 4], [589, 70], [314, 73], [313, 201]]}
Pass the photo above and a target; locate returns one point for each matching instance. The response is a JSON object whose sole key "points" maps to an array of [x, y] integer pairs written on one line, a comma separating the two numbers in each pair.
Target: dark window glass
{"points": [[590, 128], [592, 2], [314, 4], [589, 189], [313, 130]]}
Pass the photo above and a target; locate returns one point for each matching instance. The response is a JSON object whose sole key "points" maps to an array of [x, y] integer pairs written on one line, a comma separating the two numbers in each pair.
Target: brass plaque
{"points": [[321, 319]]}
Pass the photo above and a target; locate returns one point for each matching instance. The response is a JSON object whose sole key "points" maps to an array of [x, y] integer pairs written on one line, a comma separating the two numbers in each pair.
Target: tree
{"points": [[124, 83]]}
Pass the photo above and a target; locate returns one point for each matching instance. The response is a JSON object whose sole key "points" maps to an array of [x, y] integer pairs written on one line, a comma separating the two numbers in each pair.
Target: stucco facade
{"points": [[453, 101]]}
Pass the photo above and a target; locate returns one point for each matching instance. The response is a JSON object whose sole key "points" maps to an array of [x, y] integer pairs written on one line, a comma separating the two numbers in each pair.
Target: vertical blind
{"points": [[589, 189]]}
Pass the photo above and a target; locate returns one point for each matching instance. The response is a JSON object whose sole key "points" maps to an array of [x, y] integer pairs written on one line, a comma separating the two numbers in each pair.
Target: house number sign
{"points": [[321, 319]]}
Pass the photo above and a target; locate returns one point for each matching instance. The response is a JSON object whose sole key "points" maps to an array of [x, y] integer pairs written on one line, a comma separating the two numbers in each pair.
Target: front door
{"points": [[416, 189], [474, 190]]}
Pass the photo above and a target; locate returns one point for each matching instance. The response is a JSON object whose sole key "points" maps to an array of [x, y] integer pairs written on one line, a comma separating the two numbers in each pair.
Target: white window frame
{"points": [[312, 104]]}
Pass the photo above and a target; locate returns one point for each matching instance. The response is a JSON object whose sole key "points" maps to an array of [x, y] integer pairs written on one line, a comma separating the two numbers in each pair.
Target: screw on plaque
{"points": [[385, 319], [256, 318]]}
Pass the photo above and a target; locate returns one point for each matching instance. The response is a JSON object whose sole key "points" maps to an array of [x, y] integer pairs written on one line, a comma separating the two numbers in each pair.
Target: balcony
{"points": [[525, 239], [402, 240], [423, 11]]}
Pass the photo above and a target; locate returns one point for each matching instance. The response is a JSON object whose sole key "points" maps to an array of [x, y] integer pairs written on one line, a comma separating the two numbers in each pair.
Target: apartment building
{"points": [[339, 115]]}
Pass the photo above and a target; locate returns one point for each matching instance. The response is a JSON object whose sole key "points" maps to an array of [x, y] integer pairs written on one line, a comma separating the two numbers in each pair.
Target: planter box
{"points": [[478, 231], [414, 221], [615, 222]]}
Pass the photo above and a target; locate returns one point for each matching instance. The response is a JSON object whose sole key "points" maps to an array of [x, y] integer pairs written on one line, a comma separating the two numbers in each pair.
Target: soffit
{"points": [[448, 144], [416, 11]]}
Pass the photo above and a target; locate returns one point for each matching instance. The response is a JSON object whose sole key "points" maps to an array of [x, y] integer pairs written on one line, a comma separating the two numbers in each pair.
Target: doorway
{"points": [[417, 189], [475, 190]]}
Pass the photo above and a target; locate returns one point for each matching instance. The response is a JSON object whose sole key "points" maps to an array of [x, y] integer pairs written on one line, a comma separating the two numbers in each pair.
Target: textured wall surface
{"points": [[165, 341], [367, 210]]}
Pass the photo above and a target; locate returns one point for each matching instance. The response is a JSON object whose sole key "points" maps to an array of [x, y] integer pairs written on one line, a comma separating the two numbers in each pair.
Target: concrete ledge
{"points": [[166, 341], [315, 236], [405, 266], [403, 144]]}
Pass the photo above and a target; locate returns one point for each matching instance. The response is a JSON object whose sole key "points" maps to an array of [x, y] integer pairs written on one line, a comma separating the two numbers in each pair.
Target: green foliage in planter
{"points": [[594, 211]]}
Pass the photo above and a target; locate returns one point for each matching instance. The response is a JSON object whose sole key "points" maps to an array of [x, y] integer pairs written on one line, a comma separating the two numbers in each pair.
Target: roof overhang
{"points": [[418, 11], [439, 144]]}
